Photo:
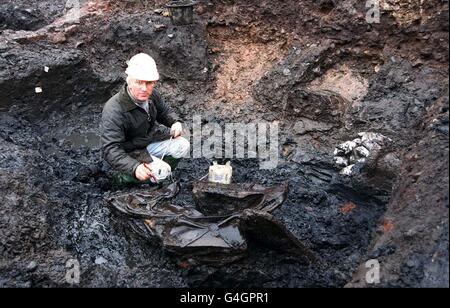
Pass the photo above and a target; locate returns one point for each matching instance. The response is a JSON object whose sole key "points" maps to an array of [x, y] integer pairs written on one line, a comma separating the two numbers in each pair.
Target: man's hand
{"points": [[176, 130], [143, 173]]}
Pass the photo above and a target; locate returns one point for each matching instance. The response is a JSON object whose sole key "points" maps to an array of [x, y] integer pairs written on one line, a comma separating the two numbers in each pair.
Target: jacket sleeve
{"points": [[112, 139], [165, 114]]}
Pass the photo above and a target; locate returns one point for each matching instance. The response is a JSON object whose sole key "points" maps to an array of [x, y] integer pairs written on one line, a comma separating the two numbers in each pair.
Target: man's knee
{"points": [[182, 148]]}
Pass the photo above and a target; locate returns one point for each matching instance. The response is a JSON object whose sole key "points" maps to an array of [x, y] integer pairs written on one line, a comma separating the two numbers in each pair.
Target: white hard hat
{"points": [[142, 67]]}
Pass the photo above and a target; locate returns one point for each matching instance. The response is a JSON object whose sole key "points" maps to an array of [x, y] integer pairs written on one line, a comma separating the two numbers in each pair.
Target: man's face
{"points": [[142, 90]]}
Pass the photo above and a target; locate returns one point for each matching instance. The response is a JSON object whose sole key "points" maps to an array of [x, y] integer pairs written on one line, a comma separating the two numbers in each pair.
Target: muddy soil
{"points": [[317, 69]]}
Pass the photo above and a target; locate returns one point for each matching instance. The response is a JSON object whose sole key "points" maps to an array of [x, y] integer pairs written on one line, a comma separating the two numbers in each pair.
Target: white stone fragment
{"points": [[347, 170], [341, 162], [362, 152], [347, 147]]}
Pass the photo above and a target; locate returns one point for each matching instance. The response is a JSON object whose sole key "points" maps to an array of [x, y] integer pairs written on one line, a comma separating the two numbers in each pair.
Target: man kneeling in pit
{"points": [[133, 142]]}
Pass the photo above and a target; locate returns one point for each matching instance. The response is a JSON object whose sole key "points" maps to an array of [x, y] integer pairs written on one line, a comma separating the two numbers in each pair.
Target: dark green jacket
{"points": [[126, 128]]}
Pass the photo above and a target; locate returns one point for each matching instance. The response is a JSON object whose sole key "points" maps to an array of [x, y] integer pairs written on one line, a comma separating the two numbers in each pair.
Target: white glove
{"points": [[160, 169], [176, 130]]}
